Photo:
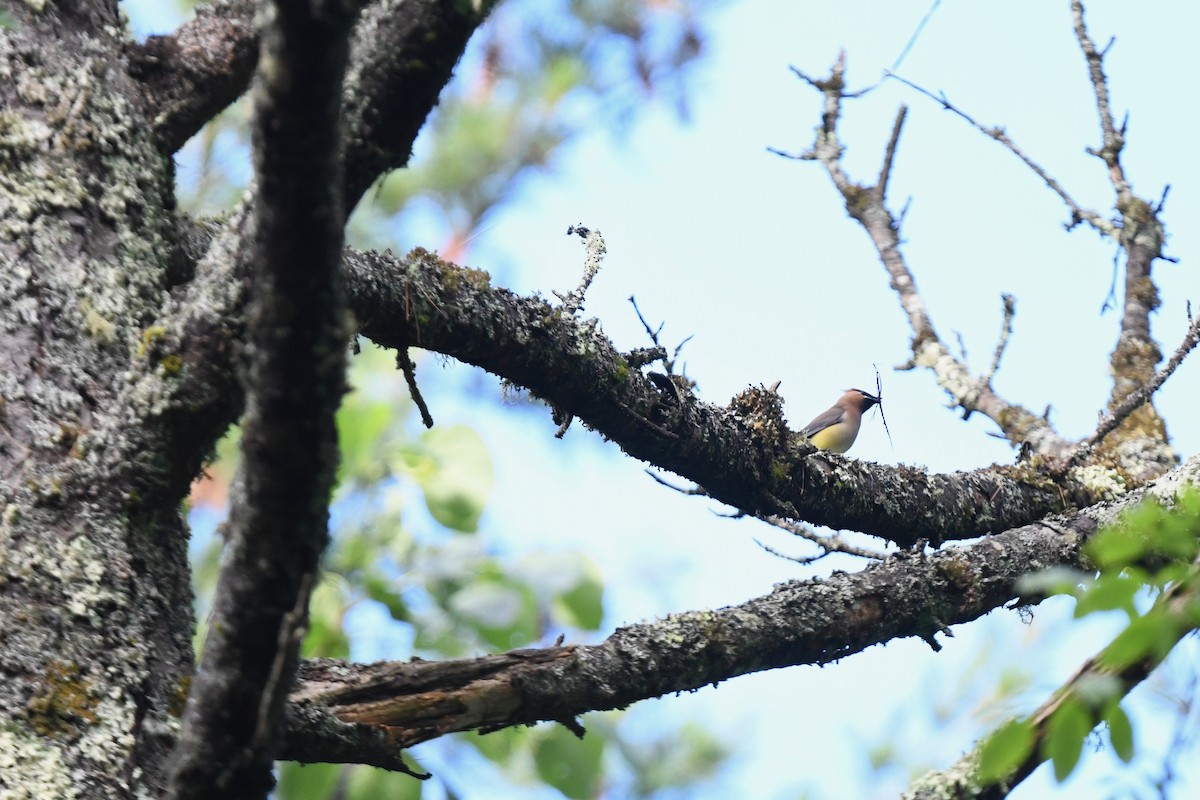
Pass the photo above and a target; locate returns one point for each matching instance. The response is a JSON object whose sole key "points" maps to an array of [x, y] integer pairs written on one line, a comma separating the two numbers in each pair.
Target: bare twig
{"points": [[1136, 355], [1137, 398], [1114, 138], [828, 544], [654, 333], [1078, 213], [885, 171], [1010, 309], [694, 491], [405, 363]]}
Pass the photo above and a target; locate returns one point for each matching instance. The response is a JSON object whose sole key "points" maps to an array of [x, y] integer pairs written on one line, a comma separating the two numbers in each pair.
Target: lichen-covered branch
{"points": [[404, 52], [742, 455], [401, 56], [295, 378], [190, 75], [800, 622], [1140, 441]]}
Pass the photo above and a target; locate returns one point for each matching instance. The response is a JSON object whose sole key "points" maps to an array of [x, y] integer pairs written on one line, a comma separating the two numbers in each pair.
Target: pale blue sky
{"points": [[754, 256]]}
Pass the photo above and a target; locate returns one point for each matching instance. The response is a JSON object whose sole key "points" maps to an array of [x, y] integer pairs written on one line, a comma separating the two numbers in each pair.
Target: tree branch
{"points": [[296, 339], [742, 455], [800, 622], [1137, 398], [404, 52], [200, 328], [193, 73], [1136, 355]]}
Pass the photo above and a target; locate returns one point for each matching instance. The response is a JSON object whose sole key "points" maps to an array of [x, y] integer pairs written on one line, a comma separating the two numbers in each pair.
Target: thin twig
{"points": [[916, 34], [405, 363], [962, 346], [889, 155], [1006, 327], [1110, 299], [1114, 139], [654, 333], [803, 561], [1078, 213], [694, 491], [829, 544], [594, 247], [1137, 398]]}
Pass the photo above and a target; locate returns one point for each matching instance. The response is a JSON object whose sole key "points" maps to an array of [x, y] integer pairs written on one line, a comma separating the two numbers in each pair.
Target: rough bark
{"points": [[295, 377], [95, 607]]}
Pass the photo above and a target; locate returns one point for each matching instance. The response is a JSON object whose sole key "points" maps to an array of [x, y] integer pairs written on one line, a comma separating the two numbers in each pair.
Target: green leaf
{"points": [[307, 781], [1005, 750], [1116, 547], [457, 478], [1120, 732], [504, 613], [1068, 727], [570, 764], [326, 638], [362, 425], [1151, 635], [1109, 593], [582, 605], [380, 590], [1098, 689], [372, 783]]}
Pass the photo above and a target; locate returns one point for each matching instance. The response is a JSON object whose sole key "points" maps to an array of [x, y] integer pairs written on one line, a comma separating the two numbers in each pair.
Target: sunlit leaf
{"points": [[1005, 750], [1151, 635], [1120, 732], [458, 480], [381, 591], [326, 638], [1055, 580], [502, 612], [1069, 725], [1116, 547], [1109, 593], [361, 425], [499, 746]]}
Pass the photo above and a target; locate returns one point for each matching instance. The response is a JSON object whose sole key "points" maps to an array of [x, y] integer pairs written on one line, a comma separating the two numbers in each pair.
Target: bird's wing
{"points": [[823, 420]]}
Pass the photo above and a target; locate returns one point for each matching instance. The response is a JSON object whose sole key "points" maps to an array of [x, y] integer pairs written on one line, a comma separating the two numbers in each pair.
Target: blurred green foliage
{"points": [[1147, 569]]}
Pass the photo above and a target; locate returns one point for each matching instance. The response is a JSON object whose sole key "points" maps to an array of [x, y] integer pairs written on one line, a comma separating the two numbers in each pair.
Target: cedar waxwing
{"points": [[835, 429]]}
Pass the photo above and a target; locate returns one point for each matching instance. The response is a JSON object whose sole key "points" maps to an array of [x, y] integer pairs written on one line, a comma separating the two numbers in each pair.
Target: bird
{"points": [[836, 428]]}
